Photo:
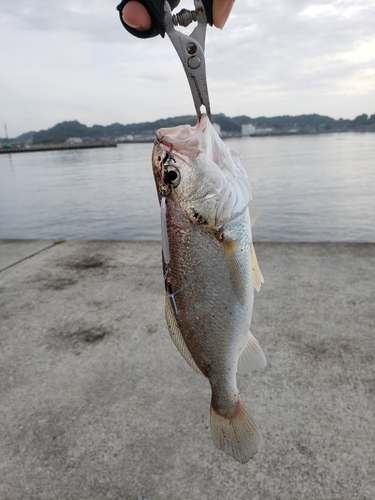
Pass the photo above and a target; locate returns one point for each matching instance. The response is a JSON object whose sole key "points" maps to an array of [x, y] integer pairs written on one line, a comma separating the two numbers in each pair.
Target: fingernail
{"points": [[221, 14]]}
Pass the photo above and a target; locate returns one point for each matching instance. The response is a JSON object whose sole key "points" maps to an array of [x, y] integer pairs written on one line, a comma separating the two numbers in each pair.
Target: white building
{"points": [[247, 129], [74, 140], [263, 131]]}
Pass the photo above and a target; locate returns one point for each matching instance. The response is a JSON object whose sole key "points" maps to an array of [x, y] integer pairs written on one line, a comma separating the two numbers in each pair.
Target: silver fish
{"points": [[210, 271]]}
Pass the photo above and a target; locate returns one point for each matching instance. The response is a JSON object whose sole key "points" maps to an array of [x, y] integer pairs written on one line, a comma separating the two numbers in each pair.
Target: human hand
{"points": [[136, 16]]}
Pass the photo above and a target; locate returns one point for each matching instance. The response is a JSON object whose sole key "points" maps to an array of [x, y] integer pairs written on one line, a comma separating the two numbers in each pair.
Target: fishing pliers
{"points": [[190, 48]]}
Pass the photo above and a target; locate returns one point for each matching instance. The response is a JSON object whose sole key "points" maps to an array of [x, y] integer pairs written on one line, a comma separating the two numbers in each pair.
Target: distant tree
{"points": [[226, 123], [276, 125], [360, 120], [62, 131], [242, 120], [25, 137]]}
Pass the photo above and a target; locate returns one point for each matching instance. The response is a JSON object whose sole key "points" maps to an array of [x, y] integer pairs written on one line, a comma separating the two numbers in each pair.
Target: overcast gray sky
{"points": [[71, 59]]}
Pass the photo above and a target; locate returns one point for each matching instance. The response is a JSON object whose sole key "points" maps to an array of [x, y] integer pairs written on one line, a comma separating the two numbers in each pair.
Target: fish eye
{"points": [[172, 176]]}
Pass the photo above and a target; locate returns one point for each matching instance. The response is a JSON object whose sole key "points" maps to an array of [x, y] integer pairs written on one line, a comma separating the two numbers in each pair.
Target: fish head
{"points": [[205, 177]]}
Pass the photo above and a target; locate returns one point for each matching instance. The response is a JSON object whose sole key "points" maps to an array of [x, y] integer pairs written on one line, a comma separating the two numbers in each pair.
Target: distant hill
{"points": [[230, 126], [25, 137]]}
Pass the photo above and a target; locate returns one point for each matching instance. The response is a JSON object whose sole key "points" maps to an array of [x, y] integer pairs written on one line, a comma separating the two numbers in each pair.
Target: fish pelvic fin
{"points": [[252, 357], [257, 275], [237, 435], [176, 335]]}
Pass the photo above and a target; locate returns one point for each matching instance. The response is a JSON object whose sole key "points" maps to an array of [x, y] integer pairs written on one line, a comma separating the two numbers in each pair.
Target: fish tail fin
{"points": [[237, 435]]}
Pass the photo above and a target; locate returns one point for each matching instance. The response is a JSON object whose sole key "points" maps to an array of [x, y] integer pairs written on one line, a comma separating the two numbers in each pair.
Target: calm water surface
{"points": [[308, 188]]}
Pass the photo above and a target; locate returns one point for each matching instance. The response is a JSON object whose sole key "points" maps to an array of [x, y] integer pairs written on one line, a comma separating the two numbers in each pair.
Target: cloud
{"points": [[92, 20], [337, 9], [74, 60], [298, 47]]}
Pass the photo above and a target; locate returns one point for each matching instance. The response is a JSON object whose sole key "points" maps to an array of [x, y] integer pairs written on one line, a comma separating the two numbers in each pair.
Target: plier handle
{"points": [[155, 8], [190, 48]]}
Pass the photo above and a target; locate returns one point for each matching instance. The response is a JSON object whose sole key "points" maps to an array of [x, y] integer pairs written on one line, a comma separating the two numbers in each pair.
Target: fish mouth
{"points": [[161, 148], [160, 138]]}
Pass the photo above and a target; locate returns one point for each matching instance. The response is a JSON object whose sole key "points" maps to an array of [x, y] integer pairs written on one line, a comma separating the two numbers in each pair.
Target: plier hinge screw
{"points": [[184, 17]]}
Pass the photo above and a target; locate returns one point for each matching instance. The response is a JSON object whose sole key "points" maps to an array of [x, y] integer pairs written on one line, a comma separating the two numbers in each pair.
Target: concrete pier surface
{"points": [[97, 403]]}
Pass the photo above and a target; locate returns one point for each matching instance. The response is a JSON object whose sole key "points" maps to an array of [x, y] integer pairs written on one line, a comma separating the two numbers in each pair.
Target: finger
{"points": [[220, 12], [136, 16]]}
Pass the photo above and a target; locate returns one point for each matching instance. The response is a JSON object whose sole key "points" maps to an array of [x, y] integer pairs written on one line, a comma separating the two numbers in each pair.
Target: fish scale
{"points": [[198, 323]]}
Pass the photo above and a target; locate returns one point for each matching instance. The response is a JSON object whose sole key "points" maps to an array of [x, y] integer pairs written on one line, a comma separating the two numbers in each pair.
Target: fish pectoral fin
{"points": [[176, 335], [236, 262], [252, 357], [257, 275], [254, 218]]}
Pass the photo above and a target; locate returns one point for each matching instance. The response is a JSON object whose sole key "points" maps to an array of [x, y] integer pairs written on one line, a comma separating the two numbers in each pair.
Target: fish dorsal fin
{"points": [[257, 275], [236, 262], [252, 357], [176, 335], [254, 218]]}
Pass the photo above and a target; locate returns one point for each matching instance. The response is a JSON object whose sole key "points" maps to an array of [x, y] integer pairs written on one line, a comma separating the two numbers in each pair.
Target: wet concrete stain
{"points": [[57, 284], [88, 262], [74, 336], [58, 281], [328, 350], [91, 335], [151, 329]]}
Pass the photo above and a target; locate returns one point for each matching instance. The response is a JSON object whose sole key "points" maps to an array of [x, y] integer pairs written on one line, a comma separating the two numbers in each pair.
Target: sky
{"points": [[73, 60]]}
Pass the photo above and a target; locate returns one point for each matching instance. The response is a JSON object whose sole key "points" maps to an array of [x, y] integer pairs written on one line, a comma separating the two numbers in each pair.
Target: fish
{"points": [[210, 271]]}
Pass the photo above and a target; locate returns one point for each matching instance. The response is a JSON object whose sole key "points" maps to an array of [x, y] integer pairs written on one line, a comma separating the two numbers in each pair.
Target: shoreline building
{"points": [[247, 129]]}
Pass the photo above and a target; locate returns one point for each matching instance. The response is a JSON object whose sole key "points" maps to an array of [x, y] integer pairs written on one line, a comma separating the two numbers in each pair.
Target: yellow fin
{"points": [[257, 275], [252, 357], [176, 335]]}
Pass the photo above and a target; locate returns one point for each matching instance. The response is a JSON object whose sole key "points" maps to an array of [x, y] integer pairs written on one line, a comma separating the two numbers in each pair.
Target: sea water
{"points": [[307, 188]]}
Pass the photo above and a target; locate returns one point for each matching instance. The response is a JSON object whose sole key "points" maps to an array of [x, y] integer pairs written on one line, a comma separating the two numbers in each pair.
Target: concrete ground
{"points": [[96, 402]]}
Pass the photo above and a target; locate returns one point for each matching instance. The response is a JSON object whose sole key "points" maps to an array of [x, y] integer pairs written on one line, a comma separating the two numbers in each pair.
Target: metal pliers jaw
{"points": [[190, 50]]}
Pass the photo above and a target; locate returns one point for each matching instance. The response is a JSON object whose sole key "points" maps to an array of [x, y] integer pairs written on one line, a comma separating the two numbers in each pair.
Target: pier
{"points": [[96, 402]]}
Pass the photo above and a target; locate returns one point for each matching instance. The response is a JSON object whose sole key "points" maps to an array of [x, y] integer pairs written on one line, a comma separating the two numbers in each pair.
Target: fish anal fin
{"points": [[237, 435], [257, 275], [252, 357], [176, 335], [236, 263]]}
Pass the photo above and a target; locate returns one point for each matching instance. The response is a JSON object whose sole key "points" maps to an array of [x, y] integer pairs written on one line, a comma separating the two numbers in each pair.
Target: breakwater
{"points": [[53, 147]]}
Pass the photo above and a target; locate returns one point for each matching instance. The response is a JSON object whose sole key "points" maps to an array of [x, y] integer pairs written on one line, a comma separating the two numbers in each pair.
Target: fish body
{"points": [[210, 271]]}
